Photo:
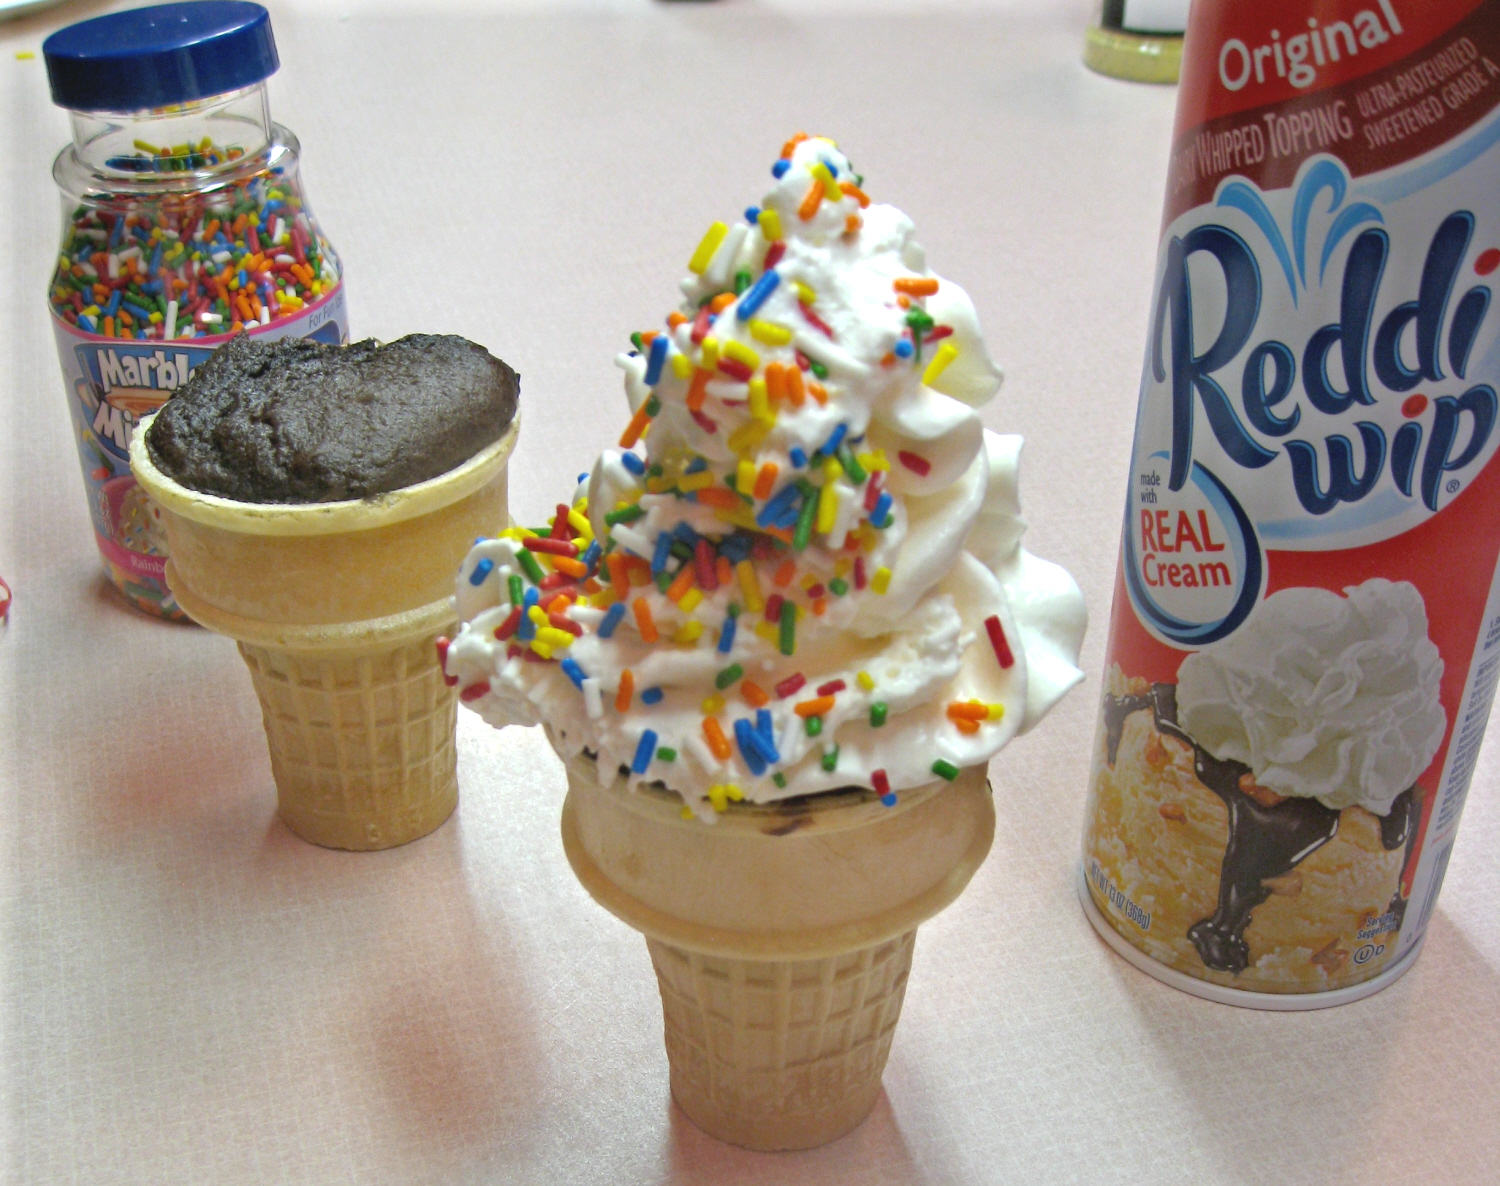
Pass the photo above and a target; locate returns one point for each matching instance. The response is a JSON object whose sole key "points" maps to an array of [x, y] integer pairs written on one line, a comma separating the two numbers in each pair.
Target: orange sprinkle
{"points": [[915, 285], [852, 224], [765, 481], [966, 726], [795, 392], [643, 620], [723, 570], [784, 574], [717, 496], [566, 565], [636, 426], [679, 587], [889, 360], [639, 570], [790, 146], [559, 603], [820, 606], [627, 689], [814, 708], [967, 710], [819, 392], [619, 575], [592, 587], [855, 192], [754, 694], [784, 534], [243, 307], [236, 326], [698, 389], [717, 742], [812, 201], [904, 301], [775, 382], [674, 319], [721, 302]]}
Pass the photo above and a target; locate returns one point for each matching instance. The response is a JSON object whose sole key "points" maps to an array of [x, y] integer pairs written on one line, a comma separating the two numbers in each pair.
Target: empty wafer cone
{"points": [[781, 937], [336, 607]]}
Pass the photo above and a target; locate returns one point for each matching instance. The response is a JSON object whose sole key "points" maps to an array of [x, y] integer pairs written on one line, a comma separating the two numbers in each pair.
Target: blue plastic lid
{"points": [[155, 57]]}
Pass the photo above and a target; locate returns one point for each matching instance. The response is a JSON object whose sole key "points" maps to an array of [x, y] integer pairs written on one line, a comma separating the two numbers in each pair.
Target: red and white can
{"points": [[1305, 639]]}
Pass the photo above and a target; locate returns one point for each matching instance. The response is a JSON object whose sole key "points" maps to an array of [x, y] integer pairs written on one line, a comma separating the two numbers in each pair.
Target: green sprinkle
{"points": [[653, 406], [945, 770], [728, 676], [530, 567], [878, 712], [813, 725], [831, 759], [732, 480], [517, 589], [852, 466], [838, 586], [778, 778], [805, 519], [919, 320], [624, 515], [663, 580], [681, 551], [637, 341], [788, 628], [818, 369], [741, 281], [734, 609], [666, 754]]}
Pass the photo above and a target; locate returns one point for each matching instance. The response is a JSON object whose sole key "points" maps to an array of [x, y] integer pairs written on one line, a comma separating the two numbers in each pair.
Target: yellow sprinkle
{"points": [[712, 704], [734, 792], [809, 580], [832, 470], [873, 460], [718, 797], [710, 357], [538, 615], [995, 711], [946, 353], [881, 581], [864, 681], [604, 598], [25, 55], [156, 319], [698, 481], [804, 294], [741, 353], [760, 406], [830, 186], [769, 332], [92, 310], [750, 586], [740, 517], [687, 812], [770, 633], [841, 566], [689, 601], [706, 248], [556, 639], [579, 522], [744, 476], [687, 633], [682, 366], [828, 508], [770, 225], [541, 648], [747, 436], [655, 486]]}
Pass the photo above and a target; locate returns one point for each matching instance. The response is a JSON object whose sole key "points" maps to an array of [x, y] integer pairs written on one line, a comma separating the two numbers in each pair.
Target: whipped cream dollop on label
{"points": [[1323, 697], [813, 577]]}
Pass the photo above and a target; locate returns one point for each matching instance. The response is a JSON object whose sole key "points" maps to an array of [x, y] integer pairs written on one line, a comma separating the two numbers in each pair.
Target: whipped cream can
{"points": [[1305, 639]]}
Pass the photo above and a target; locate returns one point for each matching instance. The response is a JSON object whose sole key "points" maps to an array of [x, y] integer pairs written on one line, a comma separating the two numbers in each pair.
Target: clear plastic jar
{"points": [[183, 222]]}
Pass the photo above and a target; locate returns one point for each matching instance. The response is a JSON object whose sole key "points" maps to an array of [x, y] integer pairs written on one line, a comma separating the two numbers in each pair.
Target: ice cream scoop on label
{"points": [[801, 569]]}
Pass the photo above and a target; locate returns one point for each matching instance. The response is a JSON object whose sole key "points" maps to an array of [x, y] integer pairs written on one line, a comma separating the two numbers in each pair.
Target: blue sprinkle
{"points": [[656, 360], [527, 630], [831, 445], [787, 518], [591, 554], [244, 279], [726, 635], [832, 168], [479, 539], [531, 597], [663, 550], [881, 516], [582, 478], [752, 214], [696, 466], [903, 349], [778, 170], [781, 501], [889, 799], [87, 322], [633, 463], [117, 233], [156, 262], [482, 570], [114, 304], [799, 458], [644, 752], [749, 749], [612, 618], [764, 734], [684, 532], [574, 672], [736, 547], [652, 696], [749, 304]]}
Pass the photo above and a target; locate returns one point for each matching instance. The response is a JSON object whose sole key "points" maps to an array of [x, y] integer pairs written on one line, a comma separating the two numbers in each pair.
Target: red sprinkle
{"points": [[561, 528], [859, 572], [513, 651], [566, 623], [554, 580], [1413, 406], [832, 686], [474, 691], [790, 686], [816, 321], [773, 607], [705, 423], [936, 334], [882, 783], [774, 253], [915, 462], [762, 548], [703, 564], [735, 369], [1488, 261], [511, 624], [442, 643], [553, 547], [701, 324], [872, 490], [802, 361], [816, 591], [998, 641]]}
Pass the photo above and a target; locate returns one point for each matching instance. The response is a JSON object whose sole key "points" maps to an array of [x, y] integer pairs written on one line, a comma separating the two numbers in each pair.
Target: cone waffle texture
{"points": [[780, 1054], [361, 741]]}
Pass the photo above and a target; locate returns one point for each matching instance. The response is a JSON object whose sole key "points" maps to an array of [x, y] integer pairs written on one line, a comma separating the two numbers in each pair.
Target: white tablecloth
{"points": [[191, 994]]}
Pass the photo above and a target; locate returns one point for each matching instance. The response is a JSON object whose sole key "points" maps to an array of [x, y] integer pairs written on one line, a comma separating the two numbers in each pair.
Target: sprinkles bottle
{"points": [[184, 222]]}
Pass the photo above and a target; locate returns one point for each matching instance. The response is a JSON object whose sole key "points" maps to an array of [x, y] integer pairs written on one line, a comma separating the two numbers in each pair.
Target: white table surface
{"points": [[191, 994]]}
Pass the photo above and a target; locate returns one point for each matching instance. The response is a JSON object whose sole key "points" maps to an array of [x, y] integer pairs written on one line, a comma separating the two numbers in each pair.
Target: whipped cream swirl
{"points": [[814, 578], [1323, 697]]}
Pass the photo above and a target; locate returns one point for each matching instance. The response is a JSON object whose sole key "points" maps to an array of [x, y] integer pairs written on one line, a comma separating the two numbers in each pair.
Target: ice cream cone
{"points": [[335, 607], [781, 937]]}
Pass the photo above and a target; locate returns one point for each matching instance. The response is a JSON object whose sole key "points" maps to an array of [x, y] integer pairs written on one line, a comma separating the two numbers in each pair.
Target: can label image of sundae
{"points": [[1305, 639]]}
